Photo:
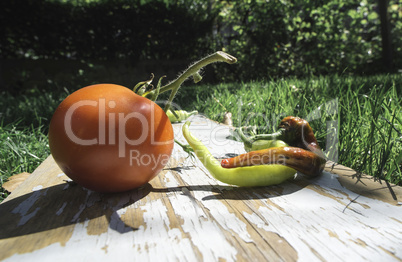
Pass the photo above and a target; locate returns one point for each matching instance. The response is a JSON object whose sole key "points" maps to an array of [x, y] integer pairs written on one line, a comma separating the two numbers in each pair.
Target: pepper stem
{"points": [[192, 113], [248, 141], [186, 148]]}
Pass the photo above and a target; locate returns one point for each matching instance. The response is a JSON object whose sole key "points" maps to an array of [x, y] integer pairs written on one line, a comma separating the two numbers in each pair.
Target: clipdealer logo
{"points": [[112, 125]]}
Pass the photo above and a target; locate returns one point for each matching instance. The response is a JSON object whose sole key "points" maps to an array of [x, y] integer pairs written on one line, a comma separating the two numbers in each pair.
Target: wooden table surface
{"points": [[186, 215]]}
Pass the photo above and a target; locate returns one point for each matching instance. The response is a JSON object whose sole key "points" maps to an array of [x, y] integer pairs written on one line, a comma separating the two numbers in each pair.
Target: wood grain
{"points": [[14, 181], [184, 214]]}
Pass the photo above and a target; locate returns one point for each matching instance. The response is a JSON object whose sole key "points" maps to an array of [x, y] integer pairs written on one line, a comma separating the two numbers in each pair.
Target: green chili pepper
{"points": [[179, 115], [261, 175]]}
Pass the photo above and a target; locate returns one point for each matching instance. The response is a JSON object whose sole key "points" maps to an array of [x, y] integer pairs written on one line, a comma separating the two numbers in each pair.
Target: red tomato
{"points": [[109, 139]]}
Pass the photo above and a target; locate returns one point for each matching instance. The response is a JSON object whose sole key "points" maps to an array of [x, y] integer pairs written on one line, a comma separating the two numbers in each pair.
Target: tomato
{"points": [[109, 139]]}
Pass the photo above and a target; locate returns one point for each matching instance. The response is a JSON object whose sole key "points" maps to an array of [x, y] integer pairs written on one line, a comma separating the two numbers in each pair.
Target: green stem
{"points": [[193, 70], [143, 84], [248, 141], [193, 113], [186, 148], [197, 77], [274, 136]]}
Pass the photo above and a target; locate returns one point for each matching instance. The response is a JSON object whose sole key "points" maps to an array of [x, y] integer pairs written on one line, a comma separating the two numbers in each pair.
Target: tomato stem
{"points": [[142, 86], [197, 77], [193, 70], [155, 92]]}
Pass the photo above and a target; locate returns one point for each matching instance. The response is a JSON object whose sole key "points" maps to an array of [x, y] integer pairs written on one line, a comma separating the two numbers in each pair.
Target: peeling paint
{"points": [[307, 225], [60, 211], [36, 188], [205, 235], [24, 207]]}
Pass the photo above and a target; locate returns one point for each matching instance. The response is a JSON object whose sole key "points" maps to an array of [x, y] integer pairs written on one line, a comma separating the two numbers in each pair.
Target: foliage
{"points": [[280, 38], [274, 38], [101, 30]]}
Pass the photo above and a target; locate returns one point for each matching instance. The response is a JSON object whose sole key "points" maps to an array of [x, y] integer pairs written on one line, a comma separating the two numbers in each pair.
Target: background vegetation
{"points": [[270, 38], [293, 55]]}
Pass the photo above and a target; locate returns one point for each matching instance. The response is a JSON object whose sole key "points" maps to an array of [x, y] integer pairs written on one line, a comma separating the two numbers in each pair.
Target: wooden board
{"points": [[186, 215]]}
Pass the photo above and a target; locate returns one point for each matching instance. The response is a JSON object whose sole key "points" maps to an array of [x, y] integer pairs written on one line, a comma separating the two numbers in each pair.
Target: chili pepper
{"points": [[179, 115], [261, 175], [297, 158], [299, 133], [304, 154]]}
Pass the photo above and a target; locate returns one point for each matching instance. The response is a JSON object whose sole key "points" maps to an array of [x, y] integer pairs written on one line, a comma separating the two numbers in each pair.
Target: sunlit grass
{"points": [[21, 150], [24, 123]]}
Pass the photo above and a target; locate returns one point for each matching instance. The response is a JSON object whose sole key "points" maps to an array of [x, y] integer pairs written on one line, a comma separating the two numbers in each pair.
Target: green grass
{"points": [[24, 121], [21, 150], [357, 120]]}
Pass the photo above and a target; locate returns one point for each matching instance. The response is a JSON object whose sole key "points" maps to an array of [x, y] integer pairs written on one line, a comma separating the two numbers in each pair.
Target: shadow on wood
{"points": [[41, 210]]}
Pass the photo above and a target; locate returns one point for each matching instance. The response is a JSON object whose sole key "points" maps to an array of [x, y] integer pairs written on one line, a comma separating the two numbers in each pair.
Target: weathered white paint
{"points": [[37, 188], [220, 213], [186, 217], [328, 225], [205, 234]]}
